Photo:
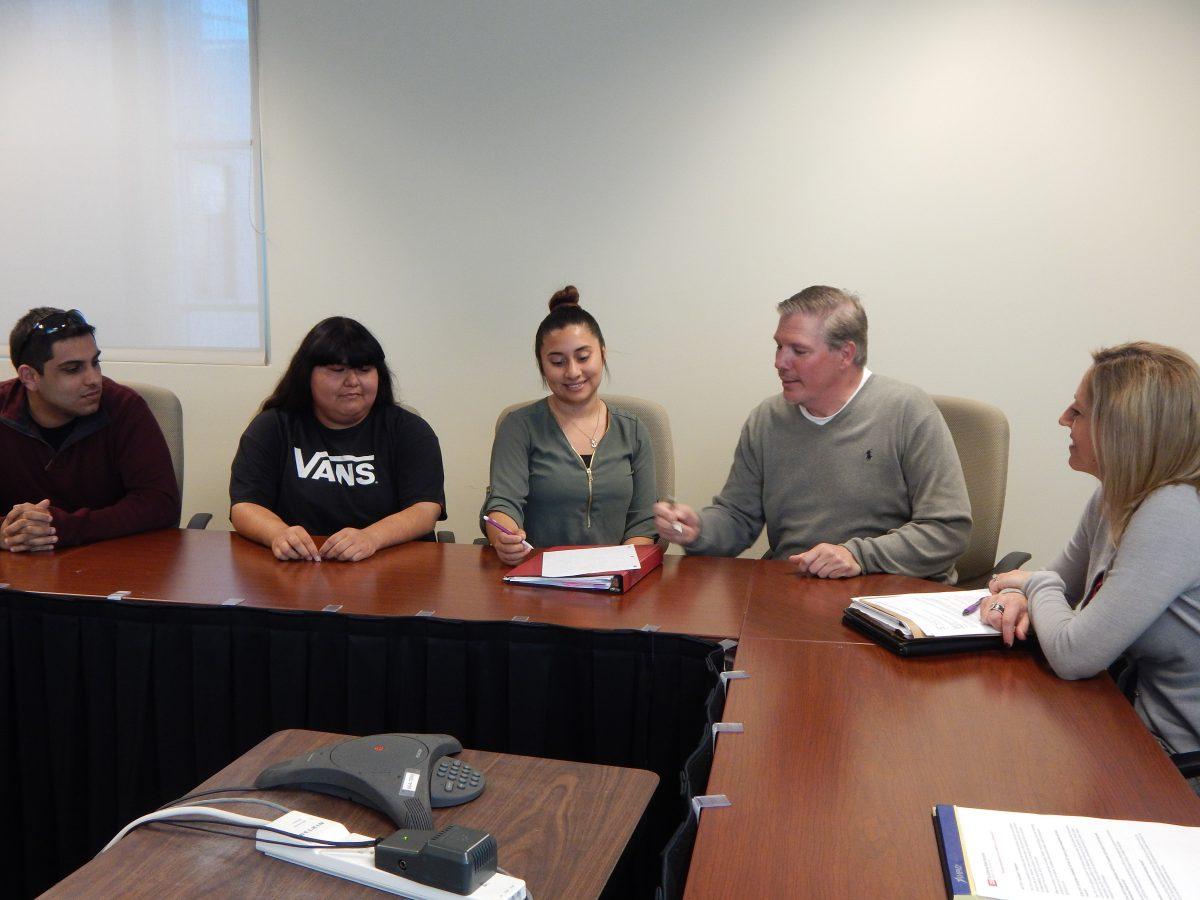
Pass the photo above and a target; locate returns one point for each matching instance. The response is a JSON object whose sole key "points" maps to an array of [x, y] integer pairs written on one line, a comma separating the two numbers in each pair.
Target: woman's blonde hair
{"points": [[1145, 424]]}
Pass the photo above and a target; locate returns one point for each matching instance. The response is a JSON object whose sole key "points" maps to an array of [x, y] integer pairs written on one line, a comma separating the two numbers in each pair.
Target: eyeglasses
{"points": [[51, 324]]}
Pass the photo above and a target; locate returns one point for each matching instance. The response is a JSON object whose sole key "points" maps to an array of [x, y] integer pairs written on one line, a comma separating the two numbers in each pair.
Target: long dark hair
{"points": [[564, 311], [336, 341]]}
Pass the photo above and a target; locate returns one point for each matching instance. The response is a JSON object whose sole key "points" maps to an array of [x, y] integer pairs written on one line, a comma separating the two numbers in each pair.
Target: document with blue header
{"points": [[997, 855]]}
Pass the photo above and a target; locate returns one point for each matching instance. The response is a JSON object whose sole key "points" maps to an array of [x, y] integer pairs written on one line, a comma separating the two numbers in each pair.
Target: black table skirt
{"points": [[111, 708]]}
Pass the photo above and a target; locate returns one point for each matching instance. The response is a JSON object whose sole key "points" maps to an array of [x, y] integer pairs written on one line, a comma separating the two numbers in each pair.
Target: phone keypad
{"points": [[454, 782]]}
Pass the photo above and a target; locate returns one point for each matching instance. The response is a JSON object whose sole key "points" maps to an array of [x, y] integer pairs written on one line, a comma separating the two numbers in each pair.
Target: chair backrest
{"points": [[443, 536], [980, 433], [654, 417], [168, 412]]}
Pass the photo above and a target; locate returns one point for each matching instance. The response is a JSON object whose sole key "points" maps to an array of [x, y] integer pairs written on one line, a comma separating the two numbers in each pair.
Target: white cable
{"points": [[255, 800], [203, 812]]}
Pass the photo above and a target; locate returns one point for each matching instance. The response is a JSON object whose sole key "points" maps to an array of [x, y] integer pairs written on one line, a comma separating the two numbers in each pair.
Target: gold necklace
{"points": [[591, 438]]}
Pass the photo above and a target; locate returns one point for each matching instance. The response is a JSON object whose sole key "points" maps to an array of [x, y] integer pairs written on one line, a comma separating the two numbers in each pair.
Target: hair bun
{"points": [[568, 296]]}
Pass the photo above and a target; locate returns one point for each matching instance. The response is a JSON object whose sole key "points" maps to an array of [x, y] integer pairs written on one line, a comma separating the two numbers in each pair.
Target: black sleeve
{"points": [[416, 462], [255, 476]]}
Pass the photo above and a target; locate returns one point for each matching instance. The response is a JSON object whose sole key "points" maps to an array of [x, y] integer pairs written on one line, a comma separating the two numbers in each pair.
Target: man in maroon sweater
{"points": [[83, 458]]}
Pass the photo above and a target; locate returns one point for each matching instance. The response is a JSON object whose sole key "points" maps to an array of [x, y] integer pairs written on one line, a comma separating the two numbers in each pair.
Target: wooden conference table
{"points": [[845, 747], [455, 581]]}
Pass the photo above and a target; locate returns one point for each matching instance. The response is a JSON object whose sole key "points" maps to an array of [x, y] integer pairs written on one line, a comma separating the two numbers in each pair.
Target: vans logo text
{"points": [[349, 470]]}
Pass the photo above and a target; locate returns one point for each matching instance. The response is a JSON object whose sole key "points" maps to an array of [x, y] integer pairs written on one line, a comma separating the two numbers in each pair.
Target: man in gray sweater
{"points": [[851, 472]]}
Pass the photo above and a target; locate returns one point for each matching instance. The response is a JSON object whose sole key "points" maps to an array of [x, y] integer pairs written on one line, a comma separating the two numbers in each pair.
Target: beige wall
{"points": [[1008, 185]]}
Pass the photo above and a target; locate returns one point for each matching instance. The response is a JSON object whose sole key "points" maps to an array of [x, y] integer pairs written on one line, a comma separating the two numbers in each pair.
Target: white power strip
{"points": [[358, 864]]}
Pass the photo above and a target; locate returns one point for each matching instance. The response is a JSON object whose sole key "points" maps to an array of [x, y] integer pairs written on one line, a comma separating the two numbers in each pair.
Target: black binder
{"points": [[906, 646]]}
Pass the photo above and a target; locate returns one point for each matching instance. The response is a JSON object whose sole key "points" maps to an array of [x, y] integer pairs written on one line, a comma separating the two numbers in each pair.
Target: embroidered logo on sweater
{"points": [[349, 470]]}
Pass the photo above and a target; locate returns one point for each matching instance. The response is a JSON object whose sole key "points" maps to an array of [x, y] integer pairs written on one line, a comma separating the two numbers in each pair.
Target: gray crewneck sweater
{"points": [[1148, 608], [882, 478]]}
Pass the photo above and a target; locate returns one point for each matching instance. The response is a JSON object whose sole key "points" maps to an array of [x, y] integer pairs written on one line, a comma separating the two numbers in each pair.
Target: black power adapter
{"points": [[455, 859]]}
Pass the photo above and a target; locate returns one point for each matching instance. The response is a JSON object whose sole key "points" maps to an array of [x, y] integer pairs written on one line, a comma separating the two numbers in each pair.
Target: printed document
{"points": [[1013, 856], [591, 561]]}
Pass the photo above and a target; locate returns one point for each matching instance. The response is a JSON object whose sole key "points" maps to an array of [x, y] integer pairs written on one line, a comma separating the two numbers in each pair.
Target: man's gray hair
{"points": [[841, 313]]}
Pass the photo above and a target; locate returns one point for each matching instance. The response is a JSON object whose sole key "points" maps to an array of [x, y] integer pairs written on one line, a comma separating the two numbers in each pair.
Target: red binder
{"points": [[530, 572]]}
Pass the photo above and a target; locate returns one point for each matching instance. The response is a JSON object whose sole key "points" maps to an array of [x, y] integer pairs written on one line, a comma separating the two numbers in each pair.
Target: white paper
{"points": [[936, 614], [1012, 856], [591, 561], [888, 621]]}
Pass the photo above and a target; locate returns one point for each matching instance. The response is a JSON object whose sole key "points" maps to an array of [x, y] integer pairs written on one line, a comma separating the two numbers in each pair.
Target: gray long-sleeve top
{"points": [[881, 478], [1147, 608], [539, 480]]}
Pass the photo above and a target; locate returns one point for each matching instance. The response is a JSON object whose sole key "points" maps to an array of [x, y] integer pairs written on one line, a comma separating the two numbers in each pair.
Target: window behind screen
{"points": [[129, 173]]}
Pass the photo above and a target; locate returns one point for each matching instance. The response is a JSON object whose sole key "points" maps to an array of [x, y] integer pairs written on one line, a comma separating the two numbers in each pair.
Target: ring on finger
{"points": [[996, 607]]}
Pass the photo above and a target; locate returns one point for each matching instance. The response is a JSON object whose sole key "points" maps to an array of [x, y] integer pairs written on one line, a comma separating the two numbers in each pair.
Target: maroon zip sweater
{"points": [[111, 477]]}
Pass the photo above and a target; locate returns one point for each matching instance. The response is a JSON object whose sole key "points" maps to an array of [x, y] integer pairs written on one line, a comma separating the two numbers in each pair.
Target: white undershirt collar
{"points": [[823, 419]]}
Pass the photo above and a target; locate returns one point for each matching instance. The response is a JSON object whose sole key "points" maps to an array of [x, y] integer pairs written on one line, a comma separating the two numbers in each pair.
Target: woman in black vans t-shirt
{"points": [[332, 454]]}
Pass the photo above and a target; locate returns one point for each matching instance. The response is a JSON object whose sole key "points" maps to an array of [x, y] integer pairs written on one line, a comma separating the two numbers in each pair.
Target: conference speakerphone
{"points": [[401, 776]]}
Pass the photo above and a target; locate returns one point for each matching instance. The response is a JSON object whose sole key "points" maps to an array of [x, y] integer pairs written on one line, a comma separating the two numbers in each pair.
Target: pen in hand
{"points": [[499, 527], [677, 526], [974, 607]]}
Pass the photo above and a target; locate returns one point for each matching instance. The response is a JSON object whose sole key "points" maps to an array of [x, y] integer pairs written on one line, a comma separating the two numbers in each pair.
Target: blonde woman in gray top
{"points": [[570, 469], [1128, 583]]}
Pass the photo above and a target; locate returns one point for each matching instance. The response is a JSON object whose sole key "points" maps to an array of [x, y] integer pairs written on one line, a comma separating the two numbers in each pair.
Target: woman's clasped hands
{"points": [[1007, 609], [347, 545]]}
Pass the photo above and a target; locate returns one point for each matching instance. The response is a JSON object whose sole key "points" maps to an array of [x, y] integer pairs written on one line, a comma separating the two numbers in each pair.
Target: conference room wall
{"points": [[1007, 185]]}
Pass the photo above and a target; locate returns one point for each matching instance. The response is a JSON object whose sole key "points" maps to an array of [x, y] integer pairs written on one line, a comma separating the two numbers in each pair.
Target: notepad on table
{"points": [[611, 569], [589, 561], [918, 624], [926, 615]]}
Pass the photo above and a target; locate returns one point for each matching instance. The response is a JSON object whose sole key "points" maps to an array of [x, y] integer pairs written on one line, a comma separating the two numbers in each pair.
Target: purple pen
{"points": [[974, 607], [499, 527]]}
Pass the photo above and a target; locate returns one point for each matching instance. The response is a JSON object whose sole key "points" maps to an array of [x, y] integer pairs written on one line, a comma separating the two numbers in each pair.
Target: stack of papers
{"points": [[926, 615], [610, 569]]}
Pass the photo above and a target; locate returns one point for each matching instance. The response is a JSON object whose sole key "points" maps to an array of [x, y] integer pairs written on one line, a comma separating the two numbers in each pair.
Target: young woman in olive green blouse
{"points": [[570, 469]]}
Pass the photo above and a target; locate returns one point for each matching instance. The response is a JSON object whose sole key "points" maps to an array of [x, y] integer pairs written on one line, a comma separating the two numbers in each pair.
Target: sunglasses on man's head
{"points": [[52, 324]]}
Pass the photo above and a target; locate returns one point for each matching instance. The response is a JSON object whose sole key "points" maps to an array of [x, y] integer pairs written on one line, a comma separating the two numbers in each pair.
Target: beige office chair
{"points": [[980, 433], [168, 413], [654, 417], [444, 536]]}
